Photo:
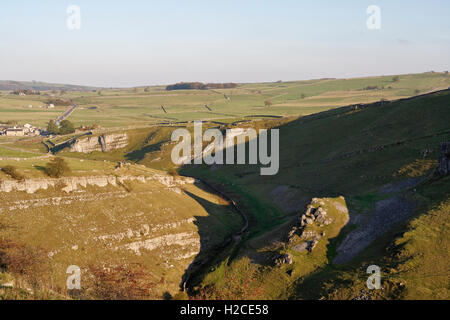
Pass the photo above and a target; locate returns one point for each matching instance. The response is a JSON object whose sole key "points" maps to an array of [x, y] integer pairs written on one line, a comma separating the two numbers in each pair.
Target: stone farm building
{"points": [[26, 130], [15, 132]]}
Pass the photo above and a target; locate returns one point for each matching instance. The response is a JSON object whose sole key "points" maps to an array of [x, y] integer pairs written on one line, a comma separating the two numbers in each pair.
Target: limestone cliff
{"points": [[69, 184], [103, 143]]}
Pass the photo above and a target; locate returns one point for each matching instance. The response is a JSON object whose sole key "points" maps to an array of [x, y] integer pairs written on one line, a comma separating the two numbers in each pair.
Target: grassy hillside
{"points": [[375, 162], [371, 156], [145, 233], [6, 85]]}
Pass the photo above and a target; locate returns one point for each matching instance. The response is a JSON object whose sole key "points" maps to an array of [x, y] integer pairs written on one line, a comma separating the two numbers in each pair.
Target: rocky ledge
{"points": [[103, 143], [314, 217], [69, 184]]}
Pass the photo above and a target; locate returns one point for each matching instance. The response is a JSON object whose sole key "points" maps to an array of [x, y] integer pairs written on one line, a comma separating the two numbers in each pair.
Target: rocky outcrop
{"points": [[69, 184], [304, 235], [178, 239], [113, 141], [103, 143], [284, 259], [86, 145], [444, 159]]}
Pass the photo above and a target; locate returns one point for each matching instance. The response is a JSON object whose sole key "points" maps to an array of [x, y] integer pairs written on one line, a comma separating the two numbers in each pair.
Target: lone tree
{"points": [[57, 167], [303, 96], [396, 79], [52, 128], [268, 103], [66, 127]]}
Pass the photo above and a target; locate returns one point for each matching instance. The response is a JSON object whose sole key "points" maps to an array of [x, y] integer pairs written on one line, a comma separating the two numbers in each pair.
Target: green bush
{"points": [[57, 167], [52, 128], [268, 103], [66, 127]]}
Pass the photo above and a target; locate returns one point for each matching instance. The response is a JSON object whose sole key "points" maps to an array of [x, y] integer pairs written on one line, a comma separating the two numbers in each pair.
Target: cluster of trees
{"points": [[372, 88], [65, 127], [376, 88], [200, 86], [59, 102], [28, 92]]}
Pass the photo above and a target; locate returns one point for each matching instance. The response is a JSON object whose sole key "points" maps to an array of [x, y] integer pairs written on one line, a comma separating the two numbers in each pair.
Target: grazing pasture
{"points": [[137, 107]]}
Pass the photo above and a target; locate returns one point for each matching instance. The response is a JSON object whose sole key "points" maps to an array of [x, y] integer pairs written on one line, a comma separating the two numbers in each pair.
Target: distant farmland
{"points": [[142, 106]]}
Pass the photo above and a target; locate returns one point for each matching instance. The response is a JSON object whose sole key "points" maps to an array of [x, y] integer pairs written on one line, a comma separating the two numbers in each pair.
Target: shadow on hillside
{"points": [[333, 153], [138, 155], [213, 240]]}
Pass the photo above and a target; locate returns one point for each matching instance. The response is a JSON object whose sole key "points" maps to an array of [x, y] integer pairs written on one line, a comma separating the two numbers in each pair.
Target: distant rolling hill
{"points": [[41, 86]]}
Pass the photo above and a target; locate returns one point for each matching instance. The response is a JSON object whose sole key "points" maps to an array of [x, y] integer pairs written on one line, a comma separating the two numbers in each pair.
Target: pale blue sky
{"points": [[137, 42]]}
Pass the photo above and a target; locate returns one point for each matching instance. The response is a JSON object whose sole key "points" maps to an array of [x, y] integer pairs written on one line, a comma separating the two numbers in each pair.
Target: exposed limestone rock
{"points": [[113, 141], [104, 143], [86, 145], [386, 213], [178, 239], [444, 159], [308, 235], [321, 217], [300, 247], [70, 184], [284, 259], [314, 216]]}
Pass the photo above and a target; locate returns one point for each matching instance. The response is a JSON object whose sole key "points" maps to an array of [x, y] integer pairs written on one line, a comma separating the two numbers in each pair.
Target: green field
{"points": [[6, 152], [128, 108]]}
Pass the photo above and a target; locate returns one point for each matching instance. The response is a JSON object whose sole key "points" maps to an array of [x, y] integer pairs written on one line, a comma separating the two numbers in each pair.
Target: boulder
{"points": [[300, 247], [284, 259], [312, 244], [310, 234]]}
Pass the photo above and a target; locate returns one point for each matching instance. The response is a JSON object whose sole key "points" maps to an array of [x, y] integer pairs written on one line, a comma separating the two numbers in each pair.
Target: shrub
{"points": [[12, 172], [200, 86], [396, 79], [57, 167], [173, 172], [59, 102], [27, 263], [268, 103], [120, 282], [66, 127], [52, 128], [180, 296]]}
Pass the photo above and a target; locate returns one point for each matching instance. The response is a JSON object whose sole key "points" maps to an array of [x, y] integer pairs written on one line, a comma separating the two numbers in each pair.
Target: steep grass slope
{"points": [[133, 237], [374, 156]]}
